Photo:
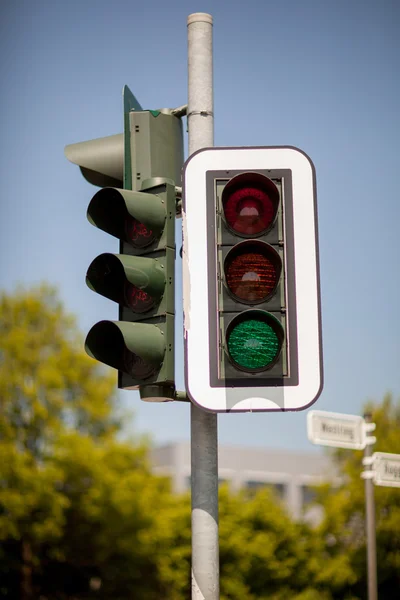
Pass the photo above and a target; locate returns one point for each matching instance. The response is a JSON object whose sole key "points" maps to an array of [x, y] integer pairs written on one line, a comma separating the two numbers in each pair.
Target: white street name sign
{"points": [[337, 430], [386, 469]]}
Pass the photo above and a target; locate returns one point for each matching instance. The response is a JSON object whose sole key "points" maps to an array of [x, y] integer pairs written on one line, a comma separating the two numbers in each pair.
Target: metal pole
{"points": [[370, 522], [204, 435]]}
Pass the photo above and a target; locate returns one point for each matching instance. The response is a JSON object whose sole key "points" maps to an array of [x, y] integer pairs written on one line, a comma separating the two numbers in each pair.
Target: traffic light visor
{"points": [[135, 217], [134, 348], [135, 282]]}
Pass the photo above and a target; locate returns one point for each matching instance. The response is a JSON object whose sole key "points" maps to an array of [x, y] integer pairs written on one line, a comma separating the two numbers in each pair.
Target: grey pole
{"points": [[204, 434], [370, 522]]}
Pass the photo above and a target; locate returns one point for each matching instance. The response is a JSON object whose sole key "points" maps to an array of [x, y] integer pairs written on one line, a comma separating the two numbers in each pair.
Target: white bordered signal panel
{"points": [[252, 322]]}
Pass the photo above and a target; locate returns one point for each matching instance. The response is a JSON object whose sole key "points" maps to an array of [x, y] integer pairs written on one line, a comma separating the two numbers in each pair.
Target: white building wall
{"points": [[287, 471]]}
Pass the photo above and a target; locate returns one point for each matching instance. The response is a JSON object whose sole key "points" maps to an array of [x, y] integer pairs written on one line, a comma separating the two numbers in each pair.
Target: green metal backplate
{"points": [[130, 104], [163, 316], [156, 147], [152, 164]]}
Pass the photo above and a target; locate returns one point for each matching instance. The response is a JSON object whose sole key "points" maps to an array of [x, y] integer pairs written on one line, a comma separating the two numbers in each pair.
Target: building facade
{"points": [[290, 474]]}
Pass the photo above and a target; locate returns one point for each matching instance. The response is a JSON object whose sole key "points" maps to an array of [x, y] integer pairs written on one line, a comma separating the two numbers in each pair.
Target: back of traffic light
{"points": [[141, 214], [251, 280]]}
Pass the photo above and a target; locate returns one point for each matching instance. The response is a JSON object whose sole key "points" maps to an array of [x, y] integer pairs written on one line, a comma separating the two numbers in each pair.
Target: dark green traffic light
{"points": [[141, 281], [137, 171]]}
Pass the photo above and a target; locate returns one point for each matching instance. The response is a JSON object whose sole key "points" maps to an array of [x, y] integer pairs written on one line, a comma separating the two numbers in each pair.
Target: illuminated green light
{"points": [[253, 344]]}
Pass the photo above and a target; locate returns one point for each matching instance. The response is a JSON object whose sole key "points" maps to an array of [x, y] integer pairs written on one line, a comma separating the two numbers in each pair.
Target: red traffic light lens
{"points": [[138, 234], [250, 202], [254, 341], [249, 211], [137, 300], [252, 271]]}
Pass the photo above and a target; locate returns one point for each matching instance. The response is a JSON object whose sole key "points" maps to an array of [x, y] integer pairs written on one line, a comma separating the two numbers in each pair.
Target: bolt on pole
{"points": [[204, 432]]}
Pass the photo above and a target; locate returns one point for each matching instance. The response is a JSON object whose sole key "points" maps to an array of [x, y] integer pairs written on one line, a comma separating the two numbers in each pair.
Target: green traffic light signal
{"points": [[254, 340]]}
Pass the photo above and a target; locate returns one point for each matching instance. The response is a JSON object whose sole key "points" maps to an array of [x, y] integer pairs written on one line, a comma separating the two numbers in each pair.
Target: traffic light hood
{"points": [[110, 207], [101, 161], [134, 348]]}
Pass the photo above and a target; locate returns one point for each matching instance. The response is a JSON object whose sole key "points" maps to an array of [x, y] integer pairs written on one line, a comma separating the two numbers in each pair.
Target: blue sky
{"points": [[322, 76]]}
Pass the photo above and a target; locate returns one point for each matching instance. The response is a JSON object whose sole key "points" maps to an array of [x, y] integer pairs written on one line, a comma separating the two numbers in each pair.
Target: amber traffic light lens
{"points": [[252, 271]]}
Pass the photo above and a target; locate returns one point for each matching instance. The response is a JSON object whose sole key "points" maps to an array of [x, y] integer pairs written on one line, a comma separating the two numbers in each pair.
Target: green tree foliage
{"points": [[47, 382], [114, 522], [264, 554], [343, 528], [82, 516], [47, 385]]}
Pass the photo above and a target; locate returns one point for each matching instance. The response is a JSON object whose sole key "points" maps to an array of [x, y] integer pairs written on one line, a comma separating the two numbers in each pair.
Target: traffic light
{"points": [[250, 296], [141, 281], [251, 288], [140, 212]]}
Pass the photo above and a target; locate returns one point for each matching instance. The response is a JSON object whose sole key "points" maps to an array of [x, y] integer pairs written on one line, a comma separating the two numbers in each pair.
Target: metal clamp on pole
{"points": [[369, 427], [367, 475]]}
